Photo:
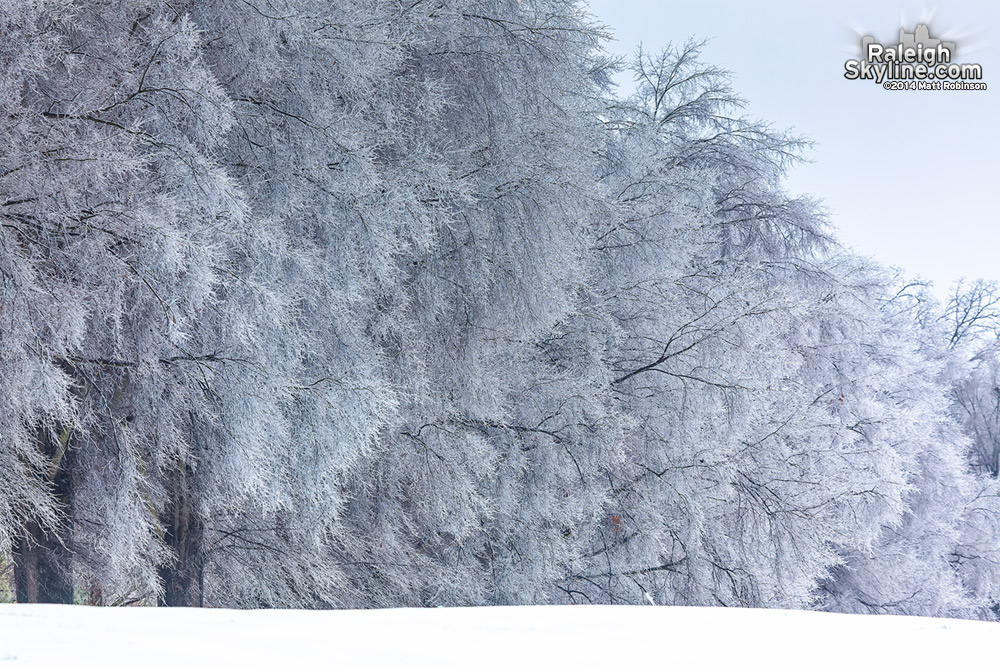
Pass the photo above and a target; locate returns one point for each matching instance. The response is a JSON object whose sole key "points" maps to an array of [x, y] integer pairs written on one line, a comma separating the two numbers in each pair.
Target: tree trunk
{"points": [[182, 578], [43, 566]]}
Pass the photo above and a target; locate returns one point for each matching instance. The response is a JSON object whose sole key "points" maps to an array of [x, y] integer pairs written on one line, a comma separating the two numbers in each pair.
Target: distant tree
{"points": [[972, 311], [973, 375]]}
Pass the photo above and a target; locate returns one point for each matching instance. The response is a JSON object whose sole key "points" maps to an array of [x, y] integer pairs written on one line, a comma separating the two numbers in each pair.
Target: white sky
{"points": [[909, 177]]}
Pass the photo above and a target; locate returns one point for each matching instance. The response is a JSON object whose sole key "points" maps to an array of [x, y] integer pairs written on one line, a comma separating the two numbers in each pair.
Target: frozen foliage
{"points": [[319, 304]]}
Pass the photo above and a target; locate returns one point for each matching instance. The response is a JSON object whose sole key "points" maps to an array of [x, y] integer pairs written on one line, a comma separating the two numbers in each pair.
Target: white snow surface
{"points": [[53, 635]]}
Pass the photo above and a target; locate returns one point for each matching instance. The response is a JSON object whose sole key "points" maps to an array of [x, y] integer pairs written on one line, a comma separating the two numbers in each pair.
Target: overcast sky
{"points": [[909, 177]]}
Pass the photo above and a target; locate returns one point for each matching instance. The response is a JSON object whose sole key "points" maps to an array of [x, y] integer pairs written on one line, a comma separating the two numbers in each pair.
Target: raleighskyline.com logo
{"points": [[917, 62]]}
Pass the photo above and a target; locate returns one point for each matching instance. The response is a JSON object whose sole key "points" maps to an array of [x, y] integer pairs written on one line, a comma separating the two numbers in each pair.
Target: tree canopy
{"points": [[340, 304]]}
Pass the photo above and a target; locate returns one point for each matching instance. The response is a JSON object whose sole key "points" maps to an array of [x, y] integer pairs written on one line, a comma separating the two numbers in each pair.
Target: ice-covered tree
{"points": [[364, 304], [481, 491], [777, 426]]}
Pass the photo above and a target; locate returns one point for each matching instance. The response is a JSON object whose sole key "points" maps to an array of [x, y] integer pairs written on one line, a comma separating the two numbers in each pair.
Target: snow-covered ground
{"points": [[511, 636]]}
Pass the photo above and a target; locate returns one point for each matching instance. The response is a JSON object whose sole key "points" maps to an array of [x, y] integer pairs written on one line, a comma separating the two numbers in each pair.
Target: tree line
{"points": [[402, 302]]}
